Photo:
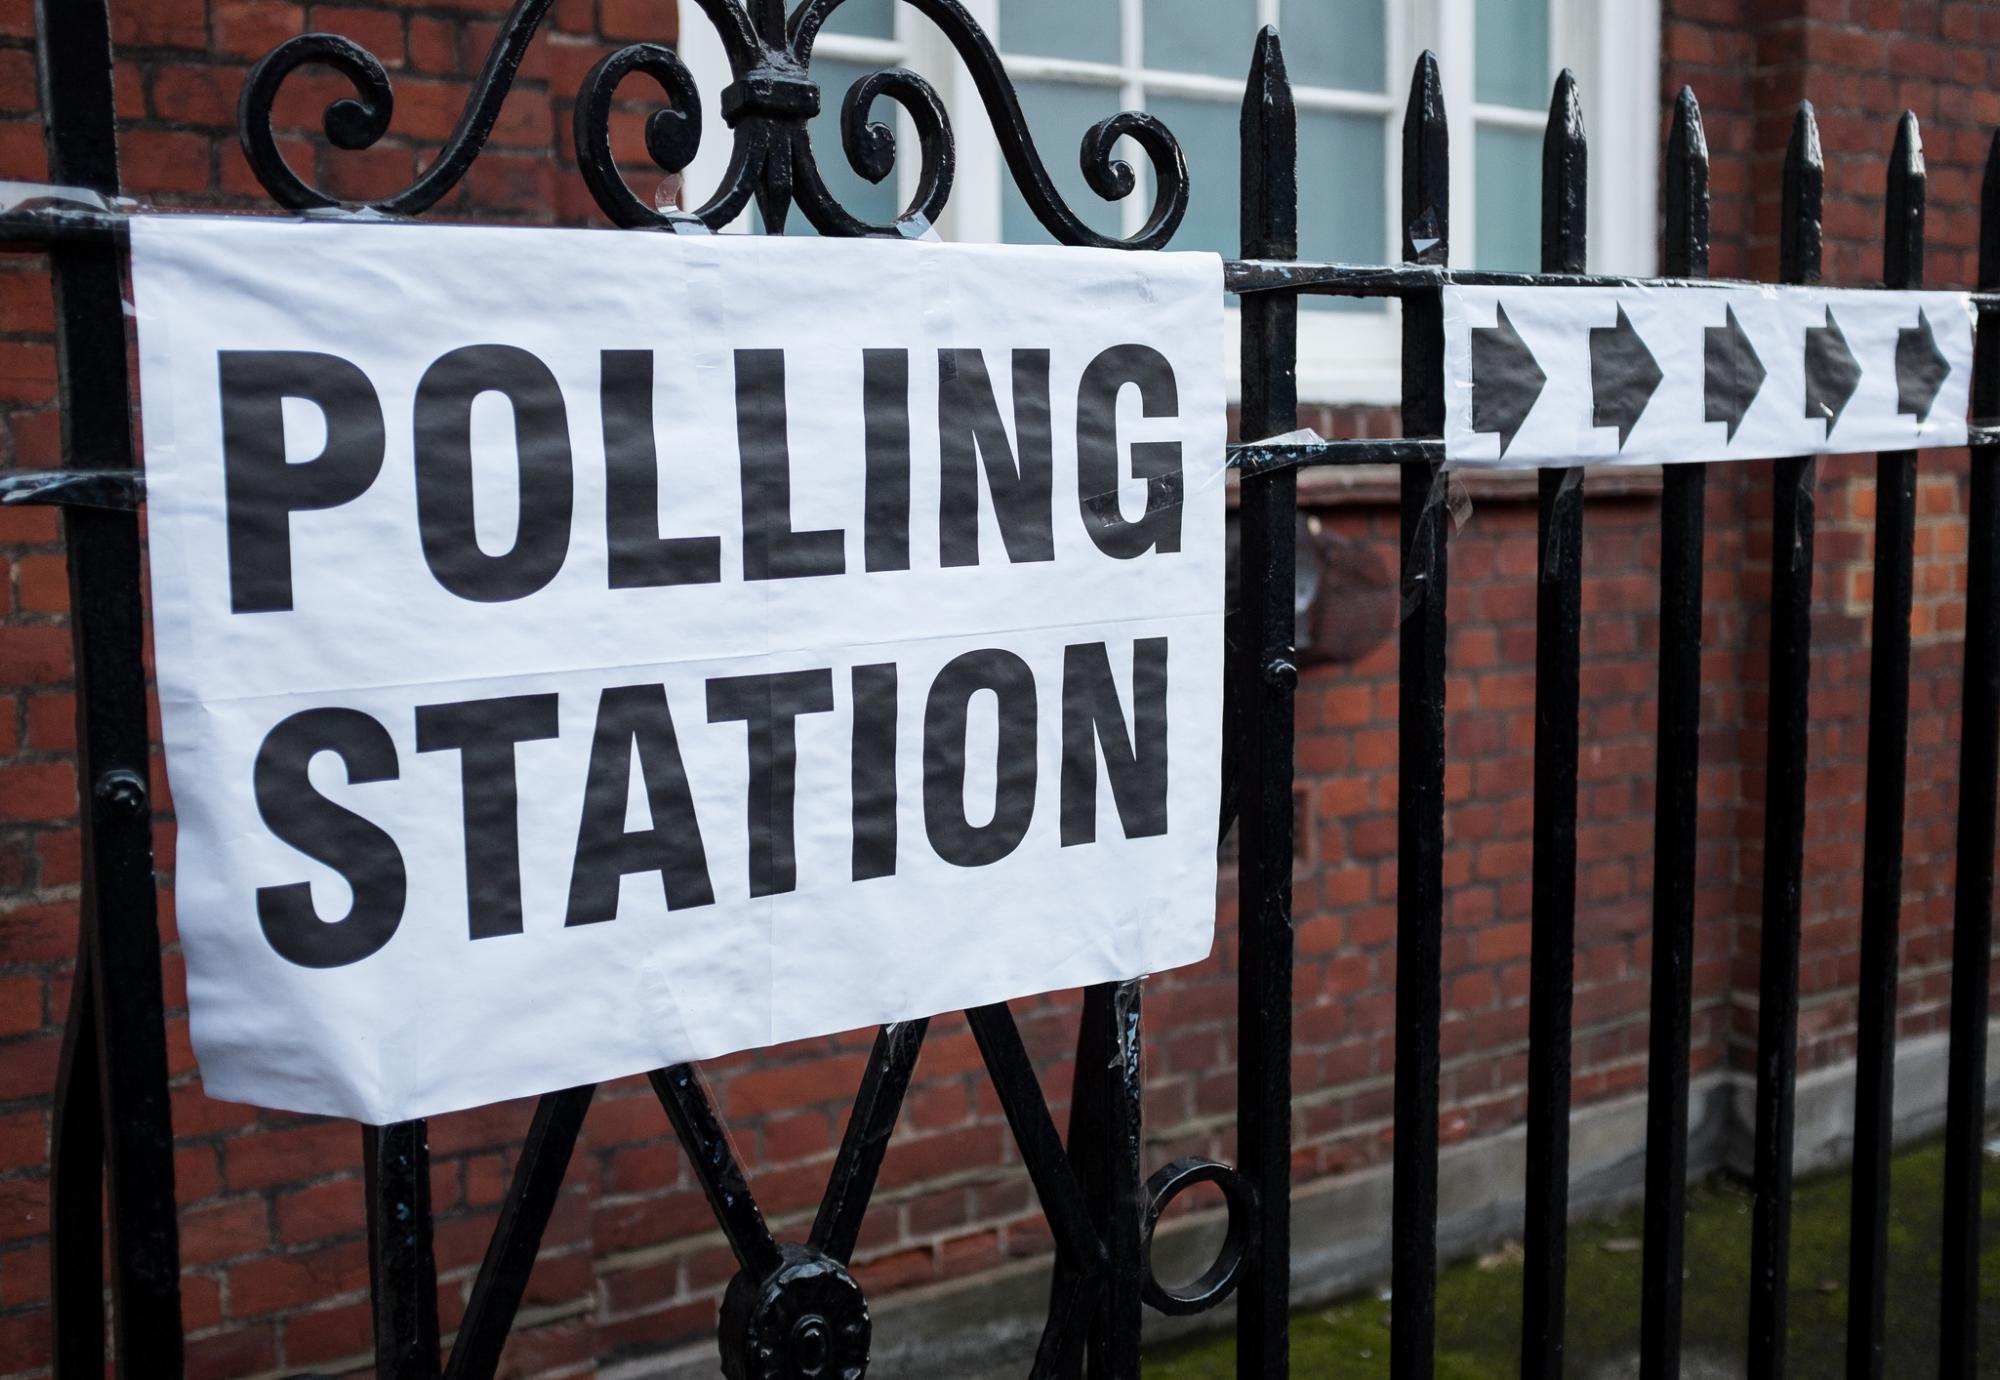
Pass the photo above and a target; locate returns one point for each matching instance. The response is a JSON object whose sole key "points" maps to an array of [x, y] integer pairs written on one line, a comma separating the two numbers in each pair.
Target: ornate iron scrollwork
{"points": [[767, 106]]}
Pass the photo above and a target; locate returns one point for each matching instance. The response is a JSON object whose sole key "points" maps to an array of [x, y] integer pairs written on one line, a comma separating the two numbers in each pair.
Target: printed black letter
{"points": [[954, 837], [484, 732], [640, 556], [1135, 760], [629, 715], [445, 396], [872, 773], [771, 549], [885, 408], [771, 705], [970, 431], [359, 850], [1156, 462], [261, 490]]}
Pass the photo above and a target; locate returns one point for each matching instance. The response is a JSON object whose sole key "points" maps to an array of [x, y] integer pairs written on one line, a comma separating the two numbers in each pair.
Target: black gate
{"points": [[793, 1309]]}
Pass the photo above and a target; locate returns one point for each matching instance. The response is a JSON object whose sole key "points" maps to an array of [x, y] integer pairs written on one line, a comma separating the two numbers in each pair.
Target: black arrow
{"points": [[1920, 368], [1623, 375], [1832, 372], [1505, 379], [1734, 372]]}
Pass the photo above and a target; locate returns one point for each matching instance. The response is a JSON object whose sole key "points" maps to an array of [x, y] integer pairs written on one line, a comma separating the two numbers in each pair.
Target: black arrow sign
{"points": [[1623, 376], [1832, 372], [1506, 381], [1734, 373], [1920, 368]]}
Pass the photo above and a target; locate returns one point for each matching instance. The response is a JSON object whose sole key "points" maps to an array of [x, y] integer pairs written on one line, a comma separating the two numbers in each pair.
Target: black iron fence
{"points": [[793, 1309]]}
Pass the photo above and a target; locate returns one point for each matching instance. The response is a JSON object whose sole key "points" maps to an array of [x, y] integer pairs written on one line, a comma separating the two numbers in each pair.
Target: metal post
{"points": [[1972, 920], [1267, 673], [120, 1062], [1558, 630], [1420, 731], [1676, 805], [1882, 842], [402, 1273], [1784, 804]]}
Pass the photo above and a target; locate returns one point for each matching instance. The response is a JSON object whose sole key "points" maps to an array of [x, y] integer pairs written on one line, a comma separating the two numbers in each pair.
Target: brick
{"points": [[20, 1004], [327, 1334], [27, 372], [292, 1155], [168, 161], [895, 1271], [36, 435], [29, 1070], [44, 584], [24, 1341], [21, 150], [26, 303], [432, 44], [636, 19], [195, 94], [225, 1231], [252, 28], [271, 1283], [794, 1085], [161, 24], [24, 1208], [237, 1351], [380, 31], [33, 656], [52, 722], [38, 791]]}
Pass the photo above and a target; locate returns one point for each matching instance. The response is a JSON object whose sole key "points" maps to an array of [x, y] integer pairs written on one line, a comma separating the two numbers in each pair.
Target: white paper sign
{"points": [[583, 652], [1646, 376]]}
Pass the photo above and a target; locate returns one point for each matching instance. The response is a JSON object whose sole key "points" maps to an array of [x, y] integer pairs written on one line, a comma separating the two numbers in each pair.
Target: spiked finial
{"points": [[1687, 190], [1270, 155], [1803, 197], [1903, 217], [1989, 218], [1426, 168], [1565, 168]]}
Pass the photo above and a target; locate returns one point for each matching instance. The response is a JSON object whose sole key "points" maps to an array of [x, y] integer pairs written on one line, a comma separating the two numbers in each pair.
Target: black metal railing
{"points": [[112, 1123]]}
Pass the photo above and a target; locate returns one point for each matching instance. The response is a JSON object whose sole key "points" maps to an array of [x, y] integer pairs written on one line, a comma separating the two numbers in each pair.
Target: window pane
{"points": [[874, 202], [1058, 114], [1512, 43], [1342, 214], [1341, 43], [868, 18], [1212, 36], [1086, 30], [1207, 131], [1343, 196], [1508, 198]]}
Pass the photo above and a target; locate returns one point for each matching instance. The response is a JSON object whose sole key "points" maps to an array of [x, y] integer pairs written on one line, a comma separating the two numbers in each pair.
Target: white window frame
{"points": [[1344, 357]]}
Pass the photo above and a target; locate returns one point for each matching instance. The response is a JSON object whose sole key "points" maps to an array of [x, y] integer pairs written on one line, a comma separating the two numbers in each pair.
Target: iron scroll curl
{"points": [[767, 106], [359, 121], [1219, 1280]]}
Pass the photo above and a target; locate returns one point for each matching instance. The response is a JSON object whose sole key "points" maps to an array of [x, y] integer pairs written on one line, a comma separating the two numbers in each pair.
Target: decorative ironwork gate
{"points": [[793, 1309]]}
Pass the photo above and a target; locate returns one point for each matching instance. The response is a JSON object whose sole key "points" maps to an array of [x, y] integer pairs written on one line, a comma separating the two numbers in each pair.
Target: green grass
{"points": [[1478, 1303]]}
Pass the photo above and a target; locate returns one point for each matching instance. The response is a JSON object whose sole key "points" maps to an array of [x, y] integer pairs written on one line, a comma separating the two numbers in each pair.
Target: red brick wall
{"points": [[272, 1225]]}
